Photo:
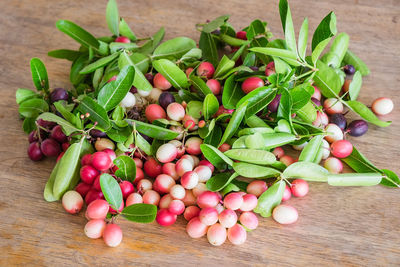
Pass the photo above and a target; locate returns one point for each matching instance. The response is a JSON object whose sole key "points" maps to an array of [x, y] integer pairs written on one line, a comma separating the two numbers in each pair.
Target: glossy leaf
{"points": [[256, 27], [316, 53], [153, 131], [67, 127], [77, 33], [257, 100], [216, 157], [194, 109], [269, 140], [126, 168], [287, 24], [139, 80], [307, 113], [214, 136], [215, 24], [359, 163], [338, 50], [39, 74], [111, 190], [307, 171], [174, 49], [210, 106], [209, 48], [97, 112], [199, 84], [24, 94], [142, 143], [286, 55], [254, 171], [172, 73], [76, 67], [390, 179], [70, 55], [112, 17], [125, 30], [248, 131], [285, 107], [364, 112], [310, 151], [224, 66], [327, 80], [191, 56], [254, 121], [234, 123], [355, 86], [253, 156], [140, 213], [326, 29], [270, 199], [99, 63], [354, 179], [218, 182], [352, 59], [301, 95], [113, 92], [302, 41], [232, 93], [31, 108]]}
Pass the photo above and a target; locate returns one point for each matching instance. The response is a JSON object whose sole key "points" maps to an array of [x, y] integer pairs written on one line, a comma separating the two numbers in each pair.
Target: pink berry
{"points": [[152, 167], [101, 161], [113, 211], [183, 166], [112, 235], [205, 69], [144, 185], [165, 201], [333, 106], [176, 207], [233, 201], [278, 152], [195, 228], [249, 220], [257, 187], [170, 169], [175, 111], [321, 120], [72, 202], [166, 153], [251, 84], [177, 191], [96, 184], [88, 174], [227, 218], [122, 39], [97, 209], [110, 153], [334, 133], [333, 165], [139, 176], [285, 214], [270, 69], [287, 194], [188, 71], [165, 218], [287, 160], [249, 202], [151, 197], [189, 180], [95, 228], [154, 112], [382, 106], [138, 162], [199, 189], [207, 163], [208, 216], [92, 195], [214, 86], [341, 148], [82, 189], [163, 183], [134, 198], [216, 234], [192, 145], [237, 234], [126, 188], [86, 159], [224, 147], [50, 148], [189, 198], [160, 82], [317, 93], [208, 199], [191, 212], [204, 173], [299, 188]]}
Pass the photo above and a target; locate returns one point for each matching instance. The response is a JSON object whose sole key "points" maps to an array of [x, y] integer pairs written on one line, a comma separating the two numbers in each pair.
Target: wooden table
{"points": [[337, 226]]}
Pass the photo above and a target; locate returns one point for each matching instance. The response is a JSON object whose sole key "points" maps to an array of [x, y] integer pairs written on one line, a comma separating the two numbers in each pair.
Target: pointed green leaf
{"points": [[270, 199], [77, 33], [234, 123], [302, 41], [39, 74], [174, 49], [209, 48], [70, 55], [97, 113], [111, 190], [172, 73], [140, 213], [287, 24], [112, 17], [326, 29], [364, 112], [99, 63], [210, 106], [126, 168], [355, 86]]}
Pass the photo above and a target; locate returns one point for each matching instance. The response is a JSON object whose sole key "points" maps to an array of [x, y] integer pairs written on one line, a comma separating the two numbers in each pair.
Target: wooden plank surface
{"points": [[337, 226]]}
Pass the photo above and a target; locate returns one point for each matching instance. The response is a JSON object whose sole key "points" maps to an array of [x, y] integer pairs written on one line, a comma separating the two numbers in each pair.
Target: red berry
{"points": [[160, 82], [126, 188], [34, 151], [206, 69], [154, 112], [152, 167], [251, 84], [299, 188], [83, 189], [92, 195], [241, 35], [88, 174], [101, 161], [50, 148], [214, 86], [58, 135], [165, 218], [122, 39]]}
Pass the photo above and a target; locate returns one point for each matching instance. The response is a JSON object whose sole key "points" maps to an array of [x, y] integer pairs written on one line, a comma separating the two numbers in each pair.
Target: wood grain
{"points": [[337, 226]]}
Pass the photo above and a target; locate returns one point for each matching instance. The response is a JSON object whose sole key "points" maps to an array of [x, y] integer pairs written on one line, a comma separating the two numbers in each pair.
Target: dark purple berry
{"points": [[133, 90], [316, 101], [357, 128], [32, 137], [339, 120], [147, 138], [97, 133], [219, 98], [273, 106], [165, 99], [254, 68], [50, 148], [149, 77], [46, 124], [349, 69], [58, 134], [216, 32], [58, 94], [34, 151]]}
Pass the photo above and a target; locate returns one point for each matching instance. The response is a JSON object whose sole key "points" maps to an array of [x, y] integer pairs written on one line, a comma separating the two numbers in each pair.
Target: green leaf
{"points": [[355, 86], [220, 181], [285, 108], [255, 121], [338, 50], [250, 59], [111, 190], [257, 100], [48, 189], [256, 27], [174, 49], [232, 41], [354, 179], [31, 108], [248, 131], [214, 136], [316, 53], [326, 29], [210, 106], [199, 84], [352, 59], [191, 56], [261, 157], [215, 24], [69, 116], [117, 47], [310, 151], [113, 92], [216, 157], [29, 125], [270, 199], [307, 113], [234, 123], [157, 38], [77, 33], [327, 80], [24, 94], [268, 140], [126, 168], [287, 24], [125, 30], [66, 126], [209, 48], [301, 95], [141, 61], [112, 17], [224, 66], [302, 41], [70, 55], [390, 179], [359, 163], [140, 213], [172, 73], [153, 131], [286, 55], [139, 80], [39, 74], [194, 109], [142, 143], [97, 113], [307, 171], [76, 67], [364, 112], [97, 76], [99, 63], [254, 171], [232, 93]]}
